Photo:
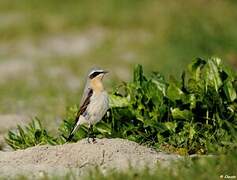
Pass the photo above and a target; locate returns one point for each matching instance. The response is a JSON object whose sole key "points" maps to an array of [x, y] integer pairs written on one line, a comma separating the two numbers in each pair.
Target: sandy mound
{"points": [[77, 157]]}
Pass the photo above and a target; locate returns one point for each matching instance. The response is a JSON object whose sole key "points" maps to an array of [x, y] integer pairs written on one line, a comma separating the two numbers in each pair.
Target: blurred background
{"points": [[48, 46]]}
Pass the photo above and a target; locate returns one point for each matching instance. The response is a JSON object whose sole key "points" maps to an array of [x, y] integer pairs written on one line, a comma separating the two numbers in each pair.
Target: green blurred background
{"points": [[48, 46]]}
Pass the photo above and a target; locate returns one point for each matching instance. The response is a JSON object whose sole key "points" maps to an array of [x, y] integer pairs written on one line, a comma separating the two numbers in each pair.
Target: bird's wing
{"points": [[85, 93], [83, 107], [85, 102]]}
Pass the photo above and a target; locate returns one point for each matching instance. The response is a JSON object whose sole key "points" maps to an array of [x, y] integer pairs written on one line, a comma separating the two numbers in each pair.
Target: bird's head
{"points": [[97, 74], [95, 78]]}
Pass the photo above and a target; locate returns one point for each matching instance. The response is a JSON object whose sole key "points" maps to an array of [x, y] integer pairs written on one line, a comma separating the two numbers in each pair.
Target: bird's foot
{"points": [[91, 142], [94, 140]]}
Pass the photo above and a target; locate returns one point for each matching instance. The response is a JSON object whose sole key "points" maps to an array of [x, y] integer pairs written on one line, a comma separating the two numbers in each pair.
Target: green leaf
{"points": [[191, 131], [81, 133], [195, 68], [118, 101], [230, 91], [103, 128], [174, 92], [211, 73], [181, 114], [171, 126], [37, 135], [28, 136], [159, 81], [138, 77]]}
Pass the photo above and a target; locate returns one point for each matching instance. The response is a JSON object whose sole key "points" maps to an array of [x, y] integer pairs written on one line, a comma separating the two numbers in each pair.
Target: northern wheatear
{"points": [[94, 103]]}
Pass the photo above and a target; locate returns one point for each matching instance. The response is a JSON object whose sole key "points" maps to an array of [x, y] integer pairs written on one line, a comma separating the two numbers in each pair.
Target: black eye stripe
{"points": [[94, 74]]}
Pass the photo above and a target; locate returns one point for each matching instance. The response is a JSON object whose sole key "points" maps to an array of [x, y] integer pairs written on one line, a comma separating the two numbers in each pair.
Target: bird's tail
{"points": [[71, 135]]}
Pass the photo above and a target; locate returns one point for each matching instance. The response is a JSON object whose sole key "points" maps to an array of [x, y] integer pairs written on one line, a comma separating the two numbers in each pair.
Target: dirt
{"points": [[107, 154]]}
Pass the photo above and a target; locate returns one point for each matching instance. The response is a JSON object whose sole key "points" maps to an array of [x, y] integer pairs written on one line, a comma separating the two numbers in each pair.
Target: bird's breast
{"points": [[98, 106]]}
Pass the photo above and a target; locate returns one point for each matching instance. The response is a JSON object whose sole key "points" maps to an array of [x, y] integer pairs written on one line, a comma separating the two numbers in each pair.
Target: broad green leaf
{"points": [[36, 124], [174, 92], [195, 68], [181, 114], [171, 126], [160, 83], [230, 91], [212, 75], [118, 101]]}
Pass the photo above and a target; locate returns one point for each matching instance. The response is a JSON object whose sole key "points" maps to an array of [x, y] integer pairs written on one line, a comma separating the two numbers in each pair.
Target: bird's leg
{"points": [[93, 135], [89, 133]]}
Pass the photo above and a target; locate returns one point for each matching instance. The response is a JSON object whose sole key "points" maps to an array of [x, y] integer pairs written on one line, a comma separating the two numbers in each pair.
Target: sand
{"points": [[106, 154]]}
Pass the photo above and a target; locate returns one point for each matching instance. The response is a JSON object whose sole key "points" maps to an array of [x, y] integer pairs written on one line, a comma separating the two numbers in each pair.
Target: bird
{"points": [[94, 103]]}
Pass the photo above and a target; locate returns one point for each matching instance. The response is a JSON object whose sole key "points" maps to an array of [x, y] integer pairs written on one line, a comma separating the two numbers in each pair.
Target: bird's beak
{"points": [[106, 72]]}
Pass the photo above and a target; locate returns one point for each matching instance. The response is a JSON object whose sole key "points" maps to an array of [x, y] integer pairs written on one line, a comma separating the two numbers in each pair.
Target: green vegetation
{"points": [[32, 135], [196, 114], [43, 57]]}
